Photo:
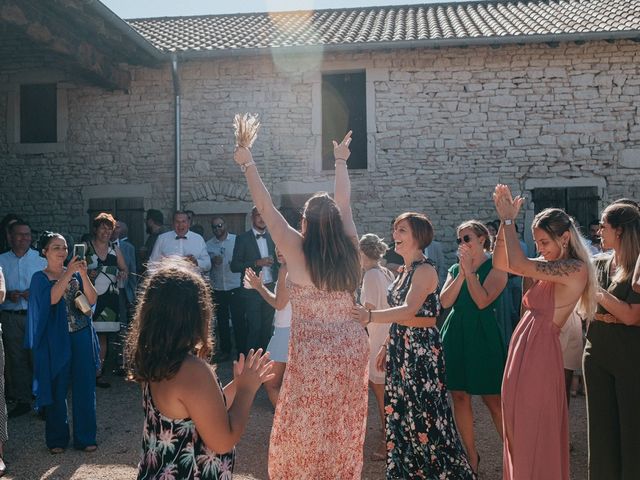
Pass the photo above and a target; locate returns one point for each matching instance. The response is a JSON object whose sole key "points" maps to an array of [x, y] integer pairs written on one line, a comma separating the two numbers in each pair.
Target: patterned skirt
{"points": [[422, 439]]}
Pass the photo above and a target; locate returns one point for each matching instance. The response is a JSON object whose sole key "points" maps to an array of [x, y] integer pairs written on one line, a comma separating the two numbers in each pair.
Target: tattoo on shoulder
{"points": [[559, 268]]}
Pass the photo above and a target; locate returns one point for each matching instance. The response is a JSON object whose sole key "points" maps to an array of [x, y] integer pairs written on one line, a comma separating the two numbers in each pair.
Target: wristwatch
{"points": [[508, 221], [244, 166]]}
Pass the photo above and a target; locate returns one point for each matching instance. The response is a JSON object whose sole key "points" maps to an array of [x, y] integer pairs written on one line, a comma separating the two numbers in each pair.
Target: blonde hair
{"points": [[373, 246], [555, 222], [626, 217], [479, 229]]}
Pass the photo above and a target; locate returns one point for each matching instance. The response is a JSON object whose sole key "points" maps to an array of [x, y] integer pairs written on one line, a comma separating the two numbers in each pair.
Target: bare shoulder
{"points": [[425, 272], [561, 268], [194, 372]]}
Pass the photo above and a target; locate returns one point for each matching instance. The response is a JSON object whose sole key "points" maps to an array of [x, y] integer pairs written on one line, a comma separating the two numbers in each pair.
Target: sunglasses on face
{"points": [[466, 239], [217, 225]]}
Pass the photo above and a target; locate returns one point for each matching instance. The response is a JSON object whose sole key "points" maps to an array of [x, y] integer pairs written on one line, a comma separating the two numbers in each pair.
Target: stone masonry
{"points": [[446, 126]]}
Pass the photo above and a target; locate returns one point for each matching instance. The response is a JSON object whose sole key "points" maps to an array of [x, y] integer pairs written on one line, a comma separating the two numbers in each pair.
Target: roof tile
{"points": [[352, 26]]}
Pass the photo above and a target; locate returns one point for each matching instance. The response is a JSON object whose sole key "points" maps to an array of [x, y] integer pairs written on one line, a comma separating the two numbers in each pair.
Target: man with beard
{"points": [[155, 226], [255, 249], [226, 288]]}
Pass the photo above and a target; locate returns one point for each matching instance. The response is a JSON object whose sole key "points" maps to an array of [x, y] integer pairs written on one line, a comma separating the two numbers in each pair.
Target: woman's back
{"points": [[324, 390], [172, 447]]}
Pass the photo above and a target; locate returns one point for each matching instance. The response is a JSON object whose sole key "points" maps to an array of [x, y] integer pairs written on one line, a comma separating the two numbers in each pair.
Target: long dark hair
{"points": [[626, 217], [172, 320], [331, 256]]}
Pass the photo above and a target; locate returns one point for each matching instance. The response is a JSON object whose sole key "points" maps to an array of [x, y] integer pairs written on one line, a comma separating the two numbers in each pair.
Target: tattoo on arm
{"points": [[559, 268]]}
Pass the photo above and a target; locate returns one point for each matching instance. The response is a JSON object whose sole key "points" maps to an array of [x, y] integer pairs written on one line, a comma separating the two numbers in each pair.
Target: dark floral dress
{"points": [[173, 450], [422, 439]]}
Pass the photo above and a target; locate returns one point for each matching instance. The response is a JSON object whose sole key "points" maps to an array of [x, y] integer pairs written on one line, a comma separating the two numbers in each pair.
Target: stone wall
{"points": [[447, 124]]}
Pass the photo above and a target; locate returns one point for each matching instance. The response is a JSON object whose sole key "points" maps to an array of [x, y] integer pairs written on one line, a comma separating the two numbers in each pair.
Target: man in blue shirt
{"points": [[18, 264]]}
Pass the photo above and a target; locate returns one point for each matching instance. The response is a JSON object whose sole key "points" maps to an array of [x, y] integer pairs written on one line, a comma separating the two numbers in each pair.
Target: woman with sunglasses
{"points": [[534, 404], [612, 352], [473, 347]]}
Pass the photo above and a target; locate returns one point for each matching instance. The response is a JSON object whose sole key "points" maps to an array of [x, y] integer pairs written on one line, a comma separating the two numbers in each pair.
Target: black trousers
{"points": [[228, 306], [258, 316], [611, 365]]}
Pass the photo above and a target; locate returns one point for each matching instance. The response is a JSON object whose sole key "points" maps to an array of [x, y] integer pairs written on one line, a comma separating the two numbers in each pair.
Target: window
{"points": [[579, 202], [38, 113], [344, 109]]}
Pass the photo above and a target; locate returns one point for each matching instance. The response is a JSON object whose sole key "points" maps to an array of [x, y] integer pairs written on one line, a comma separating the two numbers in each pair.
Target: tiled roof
{"points": [[428, 24]]}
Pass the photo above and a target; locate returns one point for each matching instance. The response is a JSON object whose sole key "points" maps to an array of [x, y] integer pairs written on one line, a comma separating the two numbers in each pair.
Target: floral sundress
{"points": [[422, 439], [173, 450]]}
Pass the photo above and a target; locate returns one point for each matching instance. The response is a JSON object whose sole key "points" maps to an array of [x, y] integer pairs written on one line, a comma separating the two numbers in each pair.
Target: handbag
{"points": [[82, 303]]}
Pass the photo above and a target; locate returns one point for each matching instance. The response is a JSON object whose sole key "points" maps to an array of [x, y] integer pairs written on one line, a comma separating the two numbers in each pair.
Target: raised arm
{"points": [[287, 239], [451, 289], [342, 187], [564, 271]]}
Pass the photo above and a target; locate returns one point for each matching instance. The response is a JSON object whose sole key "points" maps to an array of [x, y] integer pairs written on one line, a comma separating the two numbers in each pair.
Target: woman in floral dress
{"points": [[192, 424], [422, 440], [319, 424]]}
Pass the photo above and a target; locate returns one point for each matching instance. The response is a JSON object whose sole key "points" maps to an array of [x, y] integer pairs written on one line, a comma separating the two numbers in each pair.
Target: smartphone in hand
{"points": [[80, 250]]}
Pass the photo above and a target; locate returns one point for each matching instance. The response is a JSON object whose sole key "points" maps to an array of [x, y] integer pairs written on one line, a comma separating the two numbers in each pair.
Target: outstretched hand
{"points": [[341, 150], [253, 371], [254, 281], [506, 206]]}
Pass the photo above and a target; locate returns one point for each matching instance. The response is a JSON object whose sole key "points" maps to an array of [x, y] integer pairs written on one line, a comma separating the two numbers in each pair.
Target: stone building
{"points": [[444, 100]]}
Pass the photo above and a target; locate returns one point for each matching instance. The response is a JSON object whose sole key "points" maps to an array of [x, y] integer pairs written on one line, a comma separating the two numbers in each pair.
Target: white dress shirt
{"points": [[17, 274], [267, 276], [168, 244], [222, 278]]}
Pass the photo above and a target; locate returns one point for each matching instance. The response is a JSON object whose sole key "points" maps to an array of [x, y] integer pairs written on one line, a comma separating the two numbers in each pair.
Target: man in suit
{"points": [[255, 249]]}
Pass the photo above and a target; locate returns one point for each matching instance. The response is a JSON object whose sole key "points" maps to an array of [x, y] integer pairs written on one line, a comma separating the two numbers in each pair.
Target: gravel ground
{"points": [[120, 428]]}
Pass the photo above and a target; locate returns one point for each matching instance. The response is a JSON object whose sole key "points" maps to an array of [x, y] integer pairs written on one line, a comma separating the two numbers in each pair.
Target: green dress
{"points": [[474, 350]]}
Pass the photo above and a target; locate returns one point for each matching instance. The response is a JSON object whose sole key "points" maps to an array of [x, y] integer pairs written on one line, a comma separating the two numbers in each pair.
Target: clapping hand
{"points": [[253, 371], [251, 279], [341, 150], [465, 258], [506, 206]]}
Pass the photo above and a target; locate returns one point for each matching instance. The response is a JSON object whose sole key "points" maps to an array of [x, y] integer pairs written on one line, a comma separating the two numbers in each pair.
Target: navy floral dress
{"points": [[422, 439], [173, 450]]}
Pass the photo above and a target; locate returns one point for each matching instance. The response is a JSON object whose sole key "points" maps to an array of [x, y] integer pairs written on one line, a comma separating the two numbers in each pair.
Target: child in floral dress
{"points": [[192, 424]]}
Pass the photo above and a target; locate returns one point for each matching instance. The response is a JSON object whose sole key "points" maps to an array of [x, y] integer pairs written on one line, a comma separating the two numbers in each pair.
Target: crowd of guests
{"points": [[319, 316]]}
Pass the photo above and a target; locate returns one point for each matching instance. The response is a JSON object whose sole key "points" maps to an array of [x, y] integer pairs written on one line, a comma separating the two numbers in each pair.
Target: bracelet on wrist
{"points": [[369, 321], [244, 166]]}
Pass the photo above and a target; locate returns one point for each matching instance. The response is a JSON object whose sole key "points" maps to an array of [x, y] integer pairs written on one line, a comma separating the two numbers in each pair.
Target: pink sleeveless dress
{"points": [[319, 425], [534, 404]]}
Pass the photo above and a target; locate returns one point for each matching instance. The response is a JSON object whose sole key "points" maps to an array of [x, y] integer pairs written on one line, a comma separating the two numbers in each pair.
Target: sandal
{"points": [[56, 450]]}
